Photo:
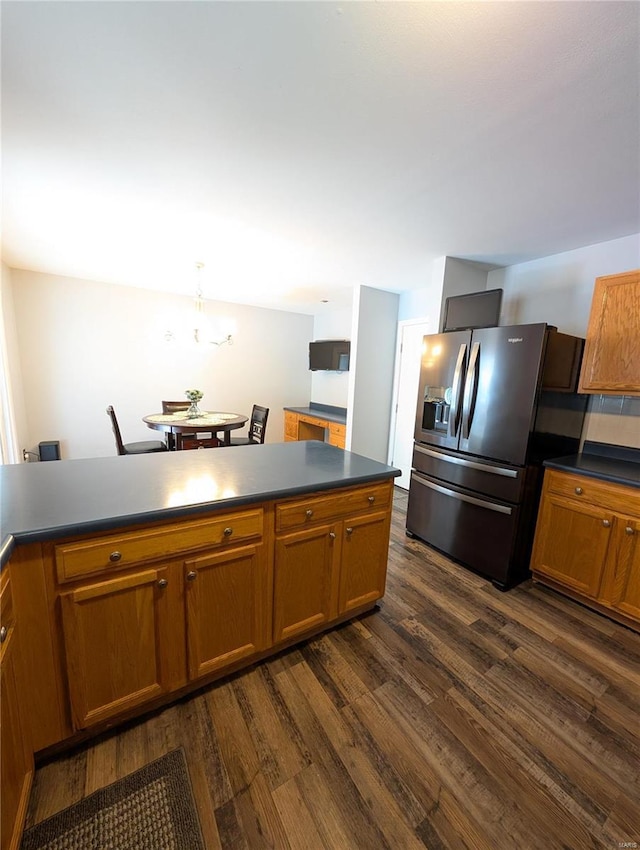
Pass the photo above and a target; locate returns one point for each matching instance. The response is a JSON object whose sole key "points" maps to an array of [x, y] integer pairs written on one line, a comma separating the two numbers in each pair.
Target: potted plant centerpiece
{"points": [[194, 397]]}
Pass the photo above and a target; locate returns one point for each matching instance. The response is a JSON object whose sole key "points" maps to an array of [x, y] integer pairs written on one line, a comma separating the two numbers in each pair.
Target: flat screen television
{"points": [[329, 355], [475, 310]]}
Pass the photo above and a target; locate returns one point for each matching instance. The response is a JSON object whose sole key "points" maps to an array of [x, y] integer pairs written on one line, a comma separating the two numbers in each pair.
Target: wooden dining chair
{"points": [[140, 448], [257, 428], [173, 407]]}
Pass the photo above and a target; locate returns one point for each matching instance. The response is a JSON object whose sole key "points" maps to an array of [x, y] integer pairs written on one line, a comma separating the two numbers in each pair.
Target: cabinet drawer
{"points": [[87, 557], [336, 504], [614, 497]]}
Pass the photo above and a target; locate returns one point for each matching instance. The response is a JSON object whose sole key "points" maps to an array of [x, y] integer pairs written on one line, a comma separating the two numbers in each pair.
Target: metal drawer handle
{"points": [[309, 512], [332, 535], [115, 556], [228, 532], [578, 491], [191, 576], [3, 634], [162, 582], [349, 530], [606, 523], [491, 506], [371, 499], [629, 530]]}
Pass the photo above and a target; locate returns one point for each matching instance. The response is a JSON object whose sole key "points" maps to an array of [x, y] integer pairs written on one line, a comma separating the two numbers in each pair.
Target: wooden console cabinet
{"points": [[302, 426], [587, 543], [611, 362]]}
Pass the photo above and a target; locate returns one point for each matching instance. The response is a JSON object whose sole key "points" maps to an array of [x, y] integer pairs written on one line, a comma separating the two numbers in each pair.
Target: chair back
{"points": [[116, 430], [258, 424], [174, 406]]}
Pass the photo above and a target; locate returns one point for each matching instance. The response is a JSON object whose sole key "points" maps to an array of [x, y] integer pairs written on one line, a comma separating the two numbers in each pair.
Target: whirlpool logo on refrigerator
{"points": [[515, 339]]}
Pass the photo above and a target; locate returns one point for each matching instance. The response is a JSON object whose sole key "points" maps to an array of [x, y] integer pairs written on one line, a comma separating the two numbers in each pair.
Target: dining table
{"points": [[197, 432]]}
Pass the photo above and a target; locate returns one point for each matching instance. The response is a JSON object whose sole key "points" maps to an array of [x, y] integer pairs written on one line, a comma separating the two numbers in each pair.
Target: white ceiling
{"points": [[299, 148]]}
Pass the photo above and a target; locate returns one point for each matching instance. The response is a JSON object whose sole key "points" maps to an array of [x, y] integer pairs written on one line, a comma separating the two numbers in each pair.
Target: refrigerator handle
{"points": [[470, 391], [456, 395]]}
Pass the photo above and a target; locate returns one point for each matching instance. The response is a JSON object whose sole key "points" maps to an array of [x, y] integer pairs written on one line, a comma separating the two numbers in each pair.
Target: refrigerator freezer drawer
{"points": [[468, 527], [496, 480]]}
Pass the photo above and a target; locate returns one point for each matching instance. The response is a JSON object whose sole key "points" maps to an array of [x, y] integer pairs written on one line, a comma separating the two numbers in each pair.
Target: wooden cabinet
{"points": [[330, 557], [611, 362], [15, 752], [586, 543], [227, 598], [303, 426], [116, 634], [139, 633]]}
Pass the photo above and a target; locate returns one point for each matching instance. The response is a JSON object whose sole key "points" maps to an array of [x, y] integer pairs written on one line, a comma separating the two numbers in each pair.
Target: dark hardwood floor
{"points": [[454, 716]]}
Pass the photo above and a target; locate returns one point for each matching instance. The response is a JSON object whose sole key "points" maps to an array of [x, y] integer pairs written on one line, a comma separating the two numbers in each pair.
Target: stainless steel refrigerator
{"points": [[493, 404]]}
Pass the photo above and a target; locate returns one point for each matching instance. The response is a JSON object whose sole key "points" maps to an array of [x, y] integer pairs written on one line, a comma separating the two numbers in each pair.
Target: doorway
{"points": [[405, 391]]}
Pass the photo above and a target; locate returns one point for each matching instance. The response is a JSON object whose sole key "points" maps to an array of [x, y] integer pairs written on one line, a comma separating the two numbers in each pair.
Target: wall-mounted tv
{"points": [[475, 310], [329, 355]]}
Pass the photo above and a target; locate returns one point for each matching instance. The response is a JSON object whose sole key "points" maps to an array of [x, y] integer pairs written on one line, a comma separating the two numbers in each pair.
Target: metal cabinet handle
{"points": [[578, 491], [162, 582], [3, 634], [606, 523], [191, 576], [349, 530], [228, 532], [629, 530], [115, 556], [309, 512], [371, 499], [332, 535]]}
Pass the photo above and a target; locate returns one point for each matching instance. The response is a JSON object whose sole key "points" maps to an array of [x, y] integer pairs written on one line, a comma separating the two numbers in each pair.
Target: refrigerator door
{"points": [[500, 391], [441, 389]]}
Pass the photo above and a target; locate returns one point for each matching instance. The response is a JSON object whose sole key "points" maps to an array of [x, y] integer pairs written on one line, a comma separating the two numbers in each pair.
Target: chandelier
{"points": [[200, 330]]}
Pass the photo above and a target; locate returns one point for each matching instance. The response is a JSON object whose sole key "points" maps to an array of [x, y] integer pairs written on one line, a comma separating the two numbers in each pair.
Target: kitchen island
{"points": [[134, 580]]}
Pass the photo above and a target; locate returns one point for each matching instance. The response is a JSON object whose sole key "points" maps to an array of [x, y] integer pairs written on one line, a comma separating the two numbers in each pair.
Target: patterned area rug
{"points": [[151, 809]]}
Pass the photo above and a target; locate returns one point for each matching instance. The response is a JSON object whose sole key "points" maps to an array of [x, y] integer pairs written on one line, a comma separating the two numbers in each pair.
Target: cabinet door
{"points": [[363, 567], [226, 608], [305, 593], [625, 595], [115, 633], [17, 761], [571, 543], [290, 426], [612, 350]]}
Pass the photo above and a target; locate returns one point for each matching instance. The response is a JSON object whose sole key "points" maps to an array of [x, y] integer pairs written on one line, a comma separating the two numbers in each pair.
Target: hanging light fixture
{"points": [[201, 332]]}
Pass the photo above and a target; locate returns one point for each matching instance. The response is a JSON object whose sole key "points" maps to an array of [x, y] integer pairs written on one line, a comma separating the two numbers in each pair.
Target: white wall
{"points": [[331, 387], [14, 415], [83, 345], [558, 289], [373, 339]]}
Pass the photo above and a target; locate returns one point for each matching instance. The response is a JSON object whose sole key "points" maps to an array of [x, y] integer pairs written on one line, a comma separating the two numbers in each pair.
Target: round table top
{"points": [[207, 421]]}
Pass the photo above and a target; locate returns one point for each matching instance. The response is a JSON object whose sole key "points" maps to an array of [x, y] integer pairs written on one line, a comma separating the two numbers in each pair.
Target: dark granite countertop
{"points": [[618, 464], [322, 411], [44, 501]]}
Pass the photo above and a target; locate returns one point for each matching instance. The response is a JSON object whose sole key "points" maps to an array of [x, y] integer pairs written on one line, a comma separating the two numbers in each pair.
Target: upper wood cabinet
{"points": [[611, 362]]}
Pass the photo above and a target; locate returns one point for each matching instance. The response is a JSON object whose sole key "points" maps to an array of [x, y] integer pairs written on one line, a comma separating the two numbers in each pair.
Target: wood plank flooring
{"points": [[454, 716]]}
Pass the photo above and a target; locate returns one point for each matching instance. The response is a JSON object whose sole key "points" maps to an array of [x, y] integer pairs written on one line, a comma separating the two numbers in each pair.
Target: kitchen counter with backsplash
{"points": [[617, 464]]}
